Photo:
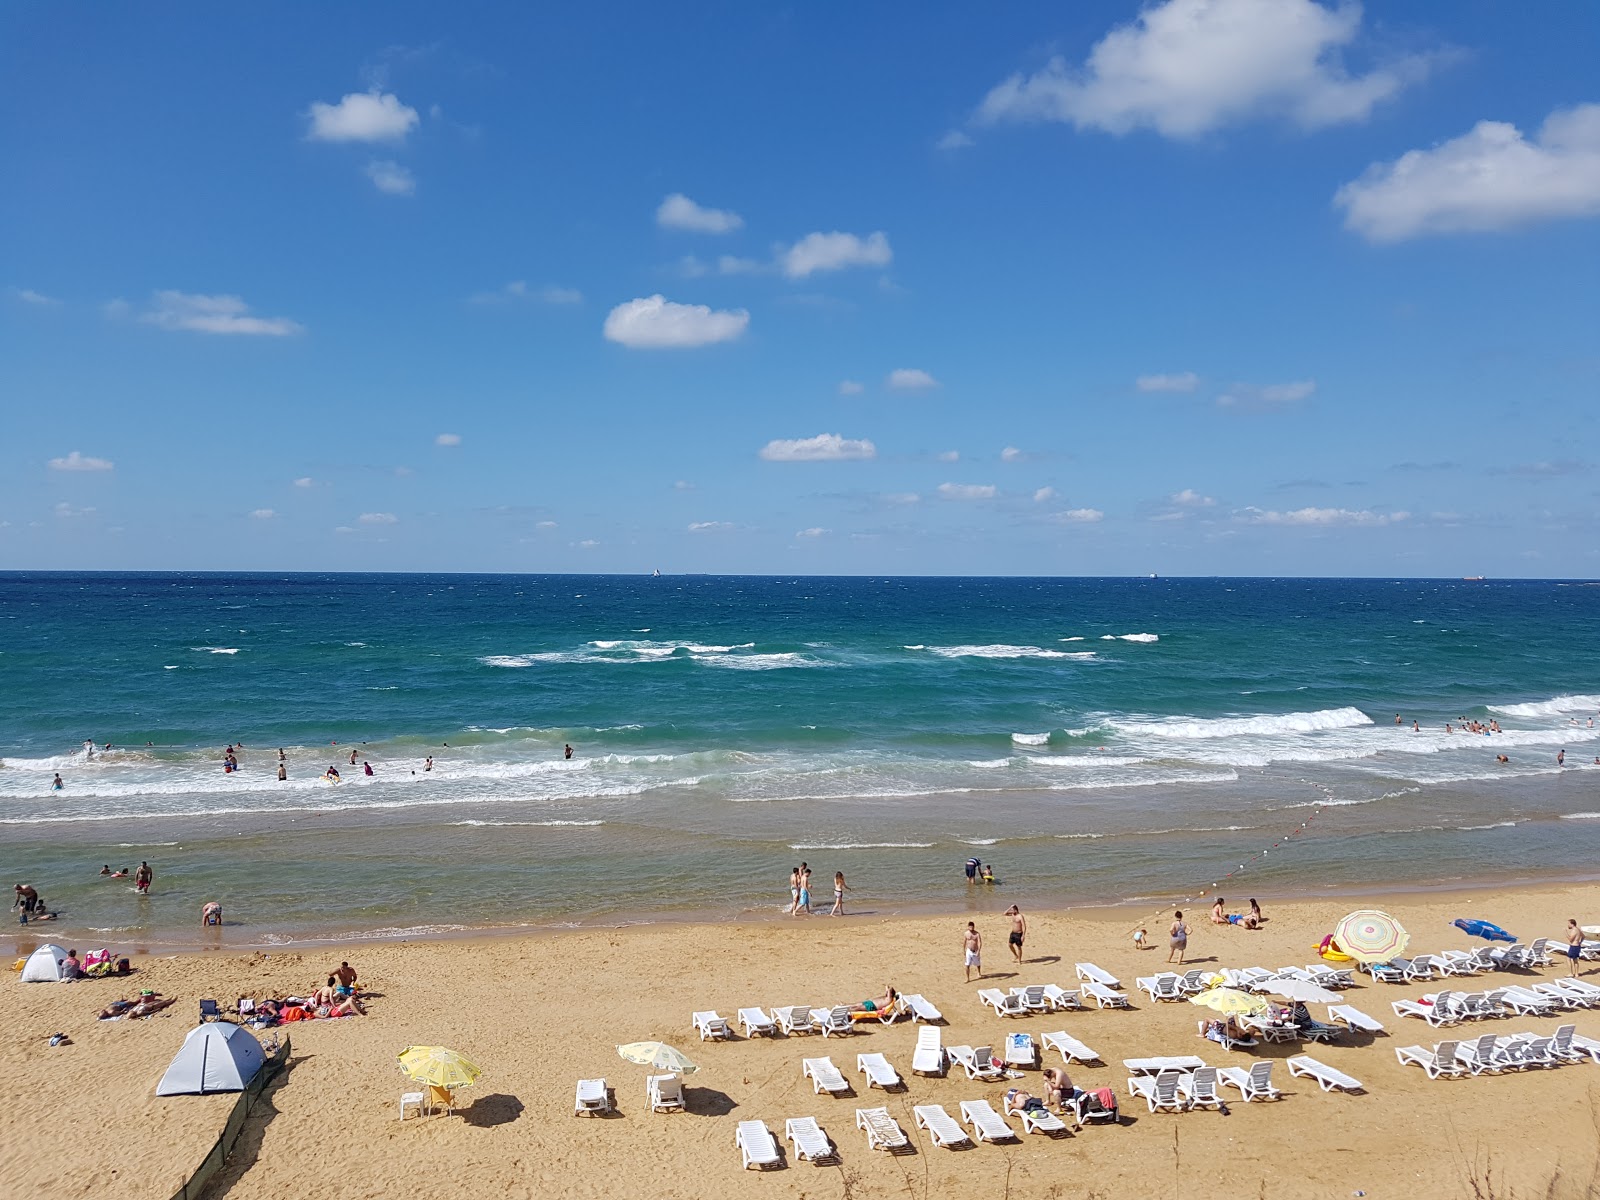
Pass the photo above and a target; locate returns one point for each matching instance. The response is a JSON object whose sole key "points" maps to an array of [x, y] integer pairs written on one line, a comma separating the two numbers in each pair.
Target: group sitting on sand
{"points": [[1250, 920], [336, 998]]}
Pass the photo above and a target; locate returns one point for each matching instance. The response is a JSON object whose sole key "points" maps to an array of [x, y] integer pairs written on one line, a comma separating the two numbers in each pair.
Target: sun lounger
{"points": [[1271, 1031], [1552, 990], [1254, 1084], [1020, 1050], [940, 1125], [833, 1021], [710, 1025], [754, 1021], [1577, 1044], [1481, 1056], [883, 1132], [978, 1063], [1246, 978], [1525, 1051], [1438, 1062], [1474, 1006], [1217, 1031], [921, 1010], [985, 1123], [824, 1076], [1104, 996], [879, 1072], [1578, 987], [810, 1143], [1334, 978], [592, 1097], [1509, 958], [1329, 1077], [1385, 972], [1527, 1003], [1032, 997], [1538, 953], [929, 1056], [665, 1092], [1070, 1047], [888, 1016], [1039, 1120], [1093, 974], [1170, 1062], [1003, 1005], [1421, 967], [1192, 983], [1199, 1089], [1159, 1091], [1061, 997], [1165, 986], [793, 1019], [757, 1147], [1435, 1010], [1353, 1018]]}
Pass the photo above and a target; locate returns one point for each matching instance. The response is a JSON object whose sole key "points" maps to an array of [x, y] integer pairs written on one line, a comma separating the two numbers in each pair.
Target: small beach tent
{"points": [[214, 1058], [44, 964]]}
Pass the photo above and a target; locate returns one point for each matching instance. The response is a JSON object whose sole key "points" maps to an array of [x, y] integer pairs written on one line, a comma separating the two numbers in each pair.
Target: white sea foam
{"points": [[1130, 637], [1199, 728], [1556, 706], [866, 846], [549, 824], [1073, 837], [1581, 816], [1004, 651], [1495, 825], [215, 649], [979, 841], [1031, 739], [1072, 639], [759, 662], [990, 764]]}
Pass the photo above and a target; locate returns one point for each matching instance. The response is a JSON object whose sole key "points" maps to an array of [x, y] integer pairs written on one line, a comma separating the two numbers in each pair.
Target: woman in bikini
{"points": [[839, 889]]}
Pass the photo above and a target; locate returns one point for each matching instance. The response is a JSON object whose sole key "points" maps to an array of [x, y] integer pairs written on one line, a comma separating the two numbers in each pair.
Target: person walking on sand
{"points": [[142, 879], [972, 940], [839, 889], [1177, 939], [1019, 931], [794, 891], [1574, 946]]}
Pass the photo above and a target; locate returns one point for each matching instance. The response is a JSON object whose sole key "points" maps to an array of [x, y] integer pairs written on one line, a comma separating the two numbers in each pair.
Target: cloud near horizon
{"points": [[1325, 517], [968, 491]]}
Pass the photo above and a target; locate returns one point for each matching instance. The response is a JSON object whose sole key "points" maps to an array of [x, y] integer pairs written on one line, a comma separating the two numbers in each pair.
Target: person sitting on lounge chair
{"points": [[1226, 1032], [881, 1005], [1057, 1086]]}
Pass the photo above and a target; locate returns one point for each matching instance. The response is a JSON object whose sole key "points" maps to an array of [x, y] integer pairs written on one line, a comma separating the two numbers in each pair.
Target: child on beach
{"points": [[1141, 939]]}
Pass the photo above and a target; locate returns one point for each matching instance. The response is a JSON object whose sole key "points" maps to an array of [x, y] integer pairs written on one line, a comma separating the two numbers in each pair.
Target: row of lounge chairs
{"points": [[1035, 998], [1423, 967], [1173, 1090], [795, 1019], [1491, 1054], [1539, 999]]}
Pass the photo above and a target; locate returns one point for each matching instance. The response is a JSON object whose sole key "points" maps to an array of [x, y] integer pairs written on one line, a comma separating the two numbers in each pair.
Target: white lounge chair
{"points": [[1159, 1091], [1217, 1031], [1436, 1010], [1254, 1084], [1092, 974], [929, 1056], [1032, 997], [1438, 1063], [1020, 1050], [1574, 1044], [1245, 978], [754, 1021], [1482, 1056], [978, 1063], [592, 1097], [794, 1019], [985, 1123], [1003, 1005], [1199, 1088], [824, 1076], [810, 1143], [1474, 1006], [883, 1132], [1328, 1077], [833, 1021], [1552, 990], [1333, 978], [941, 1127], [1070, 1047], [1165, 986], [1061, 997], [710, 1025], [921, 1010], [1353, 1018], [1537, 953], [1419, 968], [665, 1092], [1385, 972], [879, 1073], [757, 1147], [1526, 1002], [1194, 982], [1524, 1051], [1039, 1120], [1104, 996]]}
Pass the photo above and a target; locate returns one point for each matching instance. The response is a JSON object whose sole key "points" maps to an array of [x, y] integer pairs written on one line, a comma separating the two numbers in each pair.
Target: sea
{"points": [[1131, 742]]}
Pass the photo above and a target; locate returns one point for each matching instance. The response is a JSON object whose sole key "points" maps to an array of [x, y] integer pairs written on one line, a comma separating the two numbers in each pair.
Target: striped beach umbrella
{"points": [[1370, 936]]}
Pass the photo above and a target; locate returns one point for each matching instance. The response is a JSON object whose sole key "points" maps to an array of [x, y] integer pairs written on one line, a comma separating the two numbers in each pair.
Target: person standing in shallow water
{"points": [[794, 891], [839, 889]]}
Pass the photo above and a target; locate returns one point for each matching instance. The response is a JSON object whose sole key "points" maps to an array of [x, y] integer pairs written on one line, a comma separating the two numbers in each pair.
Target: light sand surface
{"points": [[538, 1013]]}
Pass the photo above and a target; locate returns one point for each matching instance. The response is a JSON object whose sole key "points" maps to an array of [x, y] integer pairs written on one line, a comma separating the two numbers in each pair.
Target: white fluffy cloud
{"points": [[1244, 395], [390, 178], [263, 514], [39, 299], [954, 140], [815, 531], [1321, 516], [968, 491], [1043, 494], [677, 211], [825, 447], [447, 439], [1080, 516], [1187, 67], [378, 518], [710, 526], [362, 117], [1488, 179], [81, 462], [850, 387], [305, 481], [899, 498], [1185, 381], [214, 314], [910, 379], [656, 323], [833, 252], [1189, 498]]}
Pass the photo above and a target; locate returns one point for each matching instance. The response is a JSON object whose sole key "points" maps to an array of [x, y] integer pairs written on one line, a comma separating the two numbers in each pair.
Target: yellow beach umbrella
{"points": [[1230, 1002], [438, 1067], [659, 1056]]}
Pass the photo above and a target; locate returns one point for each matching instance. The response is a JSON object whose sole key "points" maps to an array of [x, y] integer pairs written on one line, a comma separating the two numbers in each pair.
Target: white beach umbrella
{"points": [[1301, 990]]}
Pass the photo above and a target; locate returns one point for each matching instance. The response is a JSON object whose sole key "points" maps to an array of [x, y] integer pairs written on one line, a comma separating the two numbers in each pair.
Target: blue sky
{"points": [[1209, 286]]}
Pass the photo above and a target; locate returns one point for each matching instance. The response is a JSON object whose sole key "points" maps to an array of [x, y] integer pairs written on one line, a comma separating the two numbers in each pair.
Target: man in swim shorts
{"points": [[805, 887], [1019, 930], [142, 879], [973, 941], [972, 870], [1574, 946]]}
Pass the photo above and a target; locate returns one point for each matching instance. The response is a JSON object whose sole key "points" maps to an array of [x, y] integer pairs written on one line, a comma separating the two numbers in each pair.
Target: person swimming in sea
{"points": [[56, 785]]}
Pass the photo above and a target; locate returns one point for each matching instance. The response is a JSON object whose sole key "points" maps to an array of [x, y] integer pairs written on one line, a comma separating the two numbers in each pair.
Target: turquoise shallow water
{"points": [[1098, 739]]}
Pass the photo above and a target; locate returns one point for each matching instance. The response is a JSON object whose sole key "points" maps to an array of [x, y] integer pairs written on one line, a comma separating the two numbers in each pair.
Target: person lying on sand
{"points": [[148, 1004]]}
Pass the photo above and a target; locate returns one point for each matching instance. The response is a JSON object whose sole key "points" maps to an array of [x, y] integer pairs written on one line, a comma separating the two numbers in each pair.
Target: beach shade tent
{"points": [[1483, 929], [658, 1056], [1230, 1002], [1368, 936], [44, 964], [214, 1058]]}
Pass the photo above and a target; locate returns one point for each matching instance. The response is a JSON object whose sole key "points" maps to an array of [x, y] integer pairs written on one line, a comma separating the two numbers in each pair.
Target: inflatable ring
{"points": [[1328, 950]]}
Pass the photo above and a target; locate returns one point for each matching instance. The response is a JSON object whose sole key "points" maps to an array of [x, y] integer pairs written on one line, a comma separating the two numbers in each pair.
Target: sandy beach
{"points": [[539, 1013]]}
